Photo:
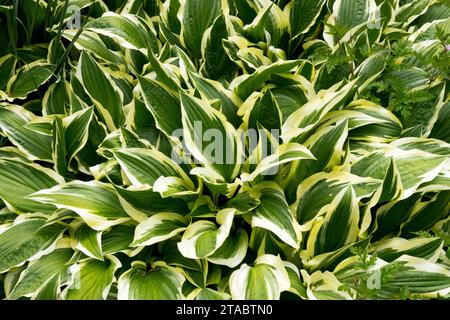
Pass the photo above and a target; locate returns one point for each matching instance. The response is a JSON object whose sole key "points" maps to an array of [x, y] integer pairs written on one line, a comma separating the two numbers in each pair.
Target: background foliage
{"points": [[93, 205]]}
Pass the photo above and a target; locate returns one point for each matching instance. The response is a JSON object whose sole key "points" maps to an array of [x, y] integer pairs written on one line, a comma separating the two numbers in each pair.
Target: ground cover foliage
{"points": [[127, 168]]}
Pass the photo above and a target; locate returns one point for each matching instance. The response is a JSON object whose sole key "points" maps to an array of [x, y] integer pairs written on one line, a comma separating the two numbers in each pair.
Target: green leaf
{"points": [[95, 202], [59, 147], [266, 113], [12, 152], [318, 191], [269, 25], [164, 74], [289, 98], [203, 238], [198, 16], [202, 122], [433, 146], [367, 122], [233, 250], [212, 90], [163, 104], [117, 239], [324, 286], [160, 283], [224, 149], [338, 227], [36, 275], [370, 70], [159, 227], [441, 128], [7, 66], [297, 286], [86, 240], [246, 84], [55, 99], [286, 153], [92, 42], [330, 260], [76, 131], [19, 179], [350, 13], [144, 166], [216, 60], [428, 214], [299, 123], [408, 12], [264, 281], [92, 279], [417, 276], [412, 78], [50, 290], [303, 15], [391, 216], [273, 214], [105, 94], [141, 203], [35, 145], [245, 201], [27, 240], [327, 148], [126, 29], [414, 166], [209, 294], [392, 187], [29, 78], [425, 248], [87, 156], [169, 14]]}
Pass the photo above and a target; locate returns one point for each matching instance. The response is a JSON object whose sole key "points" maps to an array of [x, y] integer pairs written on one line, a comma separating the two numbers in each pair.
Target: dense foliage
{"points": [[128, 169]]}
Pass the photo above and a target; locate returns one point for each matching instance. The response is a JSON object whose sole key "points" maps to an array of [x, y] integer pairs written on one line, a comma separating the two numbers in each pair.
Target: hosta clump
{"points": [[224, 149]]}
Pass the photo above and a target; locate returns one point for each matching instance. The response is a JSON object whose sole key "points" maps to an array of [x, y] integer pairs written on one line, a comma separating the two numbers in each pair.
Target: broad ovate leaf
{"points": [[92, 279], [203, 238], [160, 283], [264, 281]]}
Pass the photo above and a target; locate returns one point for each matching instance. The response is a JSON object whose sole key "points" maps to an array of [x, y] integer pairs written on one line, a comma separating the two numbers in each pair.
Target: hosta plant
{"points": [[224, 149]]}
